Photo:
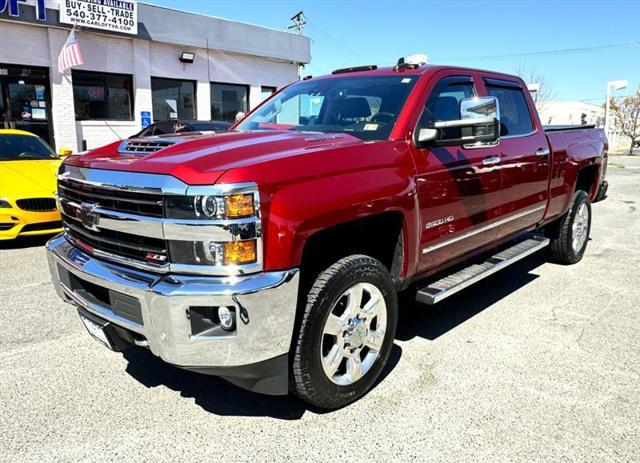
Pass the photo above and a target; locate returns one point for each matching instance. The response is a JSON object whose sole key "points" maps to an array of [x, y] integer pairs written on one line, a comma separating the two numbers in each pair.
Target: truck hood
{"points": [[202, 159]]}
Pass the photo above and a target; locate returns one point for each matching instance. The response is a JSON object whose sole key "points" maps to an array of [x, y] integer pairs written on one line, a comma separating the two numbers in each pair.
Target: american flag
{"points": [[70, 55]]}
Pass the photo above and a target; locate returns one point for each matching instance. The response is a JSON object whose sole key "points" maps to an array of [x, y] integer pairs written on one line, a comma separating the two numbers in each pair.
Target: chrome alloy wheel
{"points": [[353, 334], [580, 228]]}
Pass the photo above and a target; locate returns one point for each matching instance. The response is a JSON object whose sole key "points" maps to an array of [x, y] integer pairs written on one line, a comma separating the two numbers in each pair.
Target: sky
{"points": [[575, 46]]}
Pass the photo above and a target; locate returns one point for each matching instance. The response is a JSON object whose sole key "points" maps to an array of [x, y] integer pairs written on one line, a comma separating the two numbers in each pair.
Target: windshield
{"points": [[208, 126], [17, 147], [365, 107]]}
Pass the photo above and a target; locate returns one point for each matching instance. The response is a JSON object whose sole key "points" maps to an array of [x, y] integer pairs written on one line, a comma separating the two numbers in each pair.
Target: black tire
{"points": [[309, 381], [561, 247]]}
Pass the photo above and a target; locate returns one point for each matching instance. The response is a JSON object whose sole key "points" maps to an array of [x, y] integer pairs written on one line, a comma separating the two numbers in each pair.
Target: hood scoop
{"points": [[145, 146]]}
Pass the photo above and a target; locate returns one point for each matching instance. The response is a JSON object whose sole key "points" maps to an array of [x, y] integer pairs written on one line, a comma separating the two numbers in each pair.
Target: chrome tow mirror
{"points": [[479, 125]]}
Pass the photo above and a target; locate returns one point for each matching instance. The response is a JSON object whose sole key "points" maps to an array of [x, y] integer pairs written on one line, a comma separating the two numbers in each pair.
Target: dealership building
{"points": [[142, 63]]}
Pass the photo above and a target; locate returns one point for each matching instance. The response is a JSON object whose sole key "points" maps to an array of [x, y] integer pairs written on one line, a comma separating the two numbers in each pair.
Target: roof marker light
{"points": [[411, 61]]}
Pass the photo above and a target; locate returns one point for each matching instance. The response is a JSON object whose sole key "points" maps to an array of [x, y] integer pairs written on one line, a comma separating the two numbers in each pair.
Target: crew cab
{"points": [[273, 255]]}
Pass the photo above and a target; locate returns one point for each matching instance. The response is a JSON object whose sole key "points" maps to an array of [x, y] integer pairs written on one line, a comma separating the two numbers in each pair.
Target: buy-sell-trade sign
{"points": [[109, 15]]}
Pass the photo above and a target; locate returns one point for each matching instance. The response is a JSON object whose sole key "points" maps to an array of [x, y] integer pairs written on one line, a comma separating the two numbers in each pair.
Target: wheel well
{"points": [[379, 236], [587, 178]]}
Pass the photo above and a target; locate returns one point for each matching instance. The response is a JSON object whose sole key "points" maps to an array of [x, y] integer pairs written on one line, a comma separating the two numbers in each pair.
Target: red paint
{"points": [[308, 185]]}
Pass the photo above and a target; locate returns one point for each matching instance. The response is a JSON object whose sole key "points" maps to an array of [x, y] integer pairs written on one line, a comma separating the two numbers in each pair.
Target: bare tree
{"points": [[531, 76], [626, 112]]}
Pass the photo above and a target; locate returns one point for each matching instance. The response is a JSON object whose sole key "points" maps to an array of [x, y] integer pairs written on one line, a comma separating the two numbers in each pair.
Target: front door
{"points": [[25, 100], [458, 187]]}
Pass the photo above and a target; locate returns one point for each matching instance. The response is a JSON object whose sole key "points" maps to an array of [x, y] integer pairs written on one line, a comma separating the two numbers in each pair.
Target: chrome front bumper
{"points": [[267, 301]]}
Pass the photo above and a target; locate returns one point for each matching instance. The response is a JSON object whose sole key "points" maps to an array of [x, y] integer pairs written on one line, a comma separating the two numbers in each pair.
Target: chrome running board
{"points": [[451, 284]]}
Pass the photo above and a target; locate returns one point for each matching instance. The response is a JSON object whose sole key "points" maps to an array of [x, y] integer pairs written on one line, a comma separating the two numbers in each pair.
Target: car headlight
{"points": [[234, 213], [234, 206], [4, 204], [214, 253]]}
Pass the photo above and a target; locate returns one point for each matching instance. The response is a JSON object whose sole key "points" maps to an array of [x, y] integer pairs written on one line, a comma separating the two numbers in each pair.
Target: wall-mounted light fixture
{"points": [[187, 57]]}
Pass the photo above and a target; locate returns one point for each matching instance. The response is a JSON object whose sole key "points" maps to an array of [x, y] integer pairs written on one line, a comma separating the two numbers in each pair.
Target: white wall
{"points": [[31, 45]]}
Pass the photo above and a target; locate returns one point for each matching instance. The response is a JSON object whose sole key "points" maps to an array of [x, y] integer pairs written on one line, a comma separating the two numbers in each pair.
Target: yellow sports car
{"points": [[28, 168]]}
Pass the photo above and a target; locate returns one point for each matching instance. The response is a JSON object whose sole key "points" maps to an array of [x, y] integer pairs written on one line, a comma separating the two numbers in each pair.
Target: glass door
{"points": [[25, 100]]}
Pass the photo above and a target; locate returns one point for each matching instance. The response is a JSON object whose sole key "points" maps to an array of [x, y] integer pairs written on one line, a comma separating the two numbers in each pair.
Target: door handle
{"points": [[492, 161], [543, 152]]}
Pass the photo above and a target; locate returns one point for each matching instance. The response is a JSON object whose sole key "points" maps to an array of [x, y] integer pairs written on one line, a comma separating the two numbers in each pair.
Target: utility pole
{"points": [[299, 21]]}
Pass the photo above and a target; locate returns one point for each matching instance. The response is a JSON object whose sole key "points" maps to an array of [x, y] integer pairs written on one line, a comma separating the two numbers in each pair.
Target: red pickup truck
{"points": [[272, 255]]}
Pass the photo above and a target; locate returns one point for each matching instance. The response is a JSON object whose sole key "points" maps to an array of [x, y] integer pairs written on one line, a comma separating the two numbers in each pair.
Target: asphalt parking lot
{"points": [[541, 362]]}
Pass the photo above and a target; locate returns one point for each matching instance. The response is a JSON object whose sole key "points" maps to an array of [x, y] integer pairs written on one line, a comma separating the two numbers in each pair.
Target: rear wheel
{"points": [[346, 333], [569, 240]]}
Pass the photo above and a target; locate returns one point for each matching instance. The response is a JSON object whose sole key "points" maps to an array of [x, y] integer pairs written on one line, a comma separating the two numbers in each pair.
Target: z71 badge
{"points": [[437, 223]]}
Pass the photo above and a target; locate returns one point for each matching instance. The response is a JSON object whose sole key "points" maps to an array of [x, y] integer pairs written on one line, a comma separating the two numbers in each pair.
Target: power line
{"points": [[561, 51], [338, 44]]}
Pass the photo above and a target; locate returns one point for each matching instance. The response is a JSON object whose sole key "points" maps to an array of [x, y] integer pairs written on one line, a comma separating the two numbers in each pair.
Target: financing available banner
{"points": [[109, 15]]}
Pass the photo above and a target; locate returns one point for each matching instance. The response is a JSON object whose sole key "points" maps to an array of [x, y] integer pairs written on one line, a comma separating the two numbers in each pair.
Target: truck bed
{"points": [[579, 142]]}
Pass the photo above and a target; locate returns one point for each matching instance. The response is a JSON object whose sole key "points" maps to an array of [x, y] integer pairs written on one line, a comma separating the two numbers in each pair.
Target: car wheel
{"points": [[346, 332], [570, 239]]}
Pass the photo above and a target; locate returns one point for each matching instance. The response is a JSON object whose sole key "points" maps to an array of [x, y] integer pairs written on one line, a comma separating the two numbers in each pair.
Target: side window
{"points": [[444, 103], [515, 118]]}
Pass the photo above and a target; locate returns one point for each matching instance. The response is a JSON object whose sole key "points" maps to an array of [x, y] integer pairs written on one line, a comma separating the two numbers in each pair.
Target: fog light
{"points": [[227, 318]]}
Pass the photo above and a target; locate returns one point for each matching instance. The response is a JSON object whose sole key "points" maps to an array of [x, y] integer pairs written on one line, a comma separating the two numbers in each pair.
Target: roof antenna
{"points": [[299, 21]]}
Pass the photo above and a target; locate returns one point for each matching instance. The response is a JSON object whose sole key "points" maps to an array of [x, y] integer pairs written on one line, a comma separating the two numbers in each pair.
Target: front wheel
{"points": [[346, 333], [569, 242]]}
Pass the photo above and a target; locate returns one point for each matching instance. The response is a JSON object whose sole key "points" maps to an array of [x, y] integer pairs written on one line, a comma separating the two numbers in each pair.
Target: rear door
{"points": [[458, 189], [524, 157]]}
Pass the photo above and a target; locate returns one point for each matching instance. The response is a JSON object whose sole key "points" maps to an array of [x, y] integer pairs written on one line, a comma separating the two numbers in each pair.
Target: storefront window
{"points": [[24, 100], [100, 96], [266, 92], [173, 99], [227, 100]]}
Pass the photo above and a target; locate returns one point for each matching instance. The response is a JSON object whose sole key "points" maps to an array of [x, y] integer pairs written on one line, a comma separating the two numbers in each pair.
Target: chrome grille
{"points": [[37, 204], [77, 197], [118, 243], [144, 146], [147, 204]]}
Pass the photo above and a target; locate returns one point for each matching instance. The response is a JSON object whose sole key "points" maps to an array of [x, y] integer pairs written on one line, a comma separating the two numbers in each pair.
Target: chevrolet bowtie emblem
{"points": [[88, 216]]}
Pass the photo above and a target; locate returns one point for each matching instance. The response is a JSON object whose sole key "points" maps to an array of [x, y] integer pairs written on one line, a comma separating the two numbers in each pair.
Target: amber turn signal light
{"points": [[240, 205], [240, 252]]}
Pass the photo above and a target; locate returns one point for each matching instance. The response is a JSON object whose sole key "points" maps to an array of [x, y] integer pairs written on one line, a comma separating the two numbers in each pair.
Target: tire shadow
{"points": [[211, 393], [219, 397]]}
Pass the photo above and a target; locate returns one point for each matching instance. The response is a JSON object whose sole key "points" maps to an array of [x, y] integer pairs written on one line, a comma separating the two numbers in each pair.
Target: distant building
{"points": [[570, 113], [577, 113]]}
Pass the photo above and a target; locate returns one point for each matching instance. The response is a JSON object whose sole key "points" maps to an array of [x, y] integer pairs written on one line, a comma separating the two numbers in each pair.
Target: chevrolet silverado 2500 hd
{"points": [[272, 255]]}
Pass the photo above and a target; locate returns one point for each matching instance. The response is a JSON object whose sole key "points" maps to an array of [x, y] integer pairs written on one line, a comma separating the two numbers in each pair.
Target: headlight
{"points": [[214, 253], [215, 226], [235, 206], [4, 204]]}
